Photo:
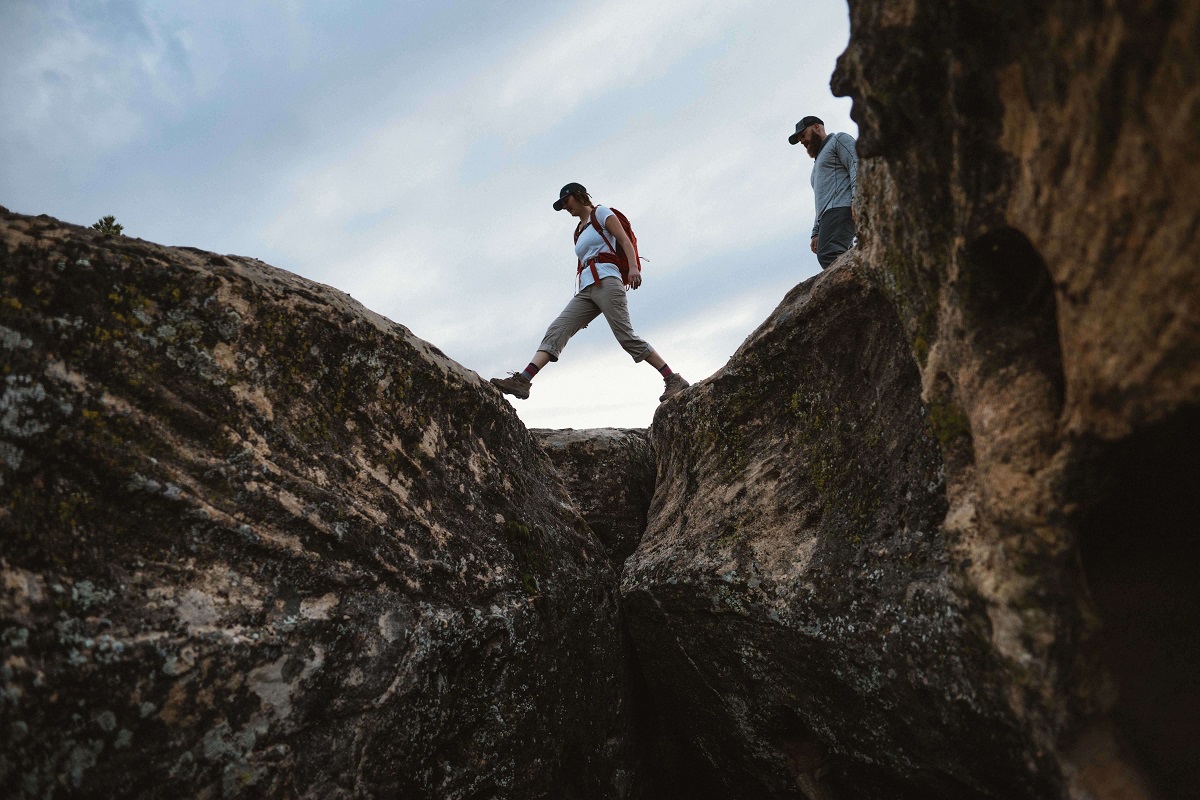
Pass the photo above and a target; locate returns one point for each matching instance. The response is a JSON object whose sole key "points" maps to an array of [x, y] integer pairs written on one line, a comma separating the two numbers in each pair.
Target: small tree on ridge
{"points": [[109, 226]]}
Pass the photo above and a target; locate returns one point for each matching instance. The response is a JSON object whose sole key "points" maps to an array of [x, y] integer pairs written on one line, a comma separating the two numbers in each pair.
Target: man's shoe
{"points": [[518, 385], [675, 385]]}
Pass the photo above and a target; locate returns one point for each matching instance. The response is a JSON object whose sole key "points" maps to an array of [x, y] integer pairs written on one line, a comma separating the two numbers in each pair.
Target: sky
{"points": [[408, 153]]}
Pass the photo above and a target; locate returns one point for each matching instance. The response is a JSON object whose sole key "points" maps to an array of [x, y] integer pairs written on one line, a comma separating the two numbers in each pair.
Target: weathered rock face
{"points": [[929, 534], [1029, 204], [256, 540], [794, 594], [609, 472]]}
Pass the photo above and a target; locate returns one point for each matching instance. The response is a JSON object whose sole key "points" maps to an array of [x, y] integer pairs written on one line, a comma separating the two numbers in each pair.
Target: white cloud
{"points": [[587, 56], [417, 174], [407, 162], [87, 78], [473, 262]]}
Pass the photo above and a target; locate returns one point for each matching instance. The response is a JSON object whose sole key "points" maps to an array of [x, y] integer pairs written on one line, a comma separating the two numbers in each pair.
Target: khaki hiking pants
{"points": [[608, 299]]}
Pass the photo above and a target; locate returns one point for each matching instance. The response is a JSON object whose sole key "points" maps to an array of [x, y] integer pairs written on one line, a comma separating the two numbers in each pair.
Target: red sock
{"points": [[665, 371], [531, 370]]}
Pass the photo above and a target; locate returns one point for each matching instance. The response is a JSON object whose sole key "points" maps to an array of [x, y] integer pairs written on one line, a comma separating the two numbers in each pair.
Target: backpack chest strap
{"points": [[602, 258]]}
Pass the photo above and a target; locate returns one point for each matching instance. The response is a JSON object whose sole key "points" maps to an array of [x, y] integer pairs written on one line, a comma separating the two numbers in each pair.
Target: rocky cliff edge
{"points": [[257, 540]]}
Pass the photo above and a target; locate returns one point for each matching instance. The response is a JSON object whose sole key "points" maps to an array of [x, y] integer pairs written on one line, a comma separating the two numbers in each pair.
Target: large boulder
{"points": [[256, 540], [795, 601], [1029, 205]]}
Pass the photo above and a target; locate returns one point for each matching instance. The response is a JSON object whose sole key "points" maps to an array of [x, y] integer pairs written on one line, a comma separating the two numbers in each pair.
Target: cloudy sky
{"points": [[408, 154]]}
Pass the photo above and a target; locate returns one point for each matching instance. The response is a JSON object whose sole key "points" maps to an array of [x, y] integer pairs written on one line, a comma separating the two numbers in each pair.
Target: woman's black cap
{"points": [[570, 188]]}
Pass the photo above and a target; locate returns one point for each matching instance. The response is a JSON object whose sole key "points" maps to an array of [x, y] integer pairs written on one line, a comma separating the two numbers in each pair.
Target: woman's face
{"points": [[572, 205]]}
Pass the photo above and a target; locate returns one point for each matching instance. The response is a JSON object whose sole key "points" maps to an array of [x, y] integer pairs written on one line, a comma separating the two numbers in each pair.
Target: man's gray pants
{"points": [[835, 234], [608, 299]]}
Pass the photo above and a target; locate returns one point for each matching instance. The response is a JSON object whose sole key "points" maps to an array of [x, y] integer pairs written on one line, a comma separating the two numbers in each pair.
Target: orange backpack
{"points": [[616, 256]]}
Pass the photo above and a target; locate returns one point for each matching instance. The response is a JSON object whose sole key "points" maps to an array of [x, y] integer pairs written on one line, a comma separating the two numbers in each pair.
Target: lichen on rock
{"points": [[795, 592], [928, 534]]}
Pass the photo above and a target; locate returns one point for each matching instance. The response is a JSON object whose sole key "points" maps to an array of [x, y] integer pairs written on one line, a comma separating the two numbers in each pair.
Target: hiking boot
{"points": [[675, 385], [517, 385]]}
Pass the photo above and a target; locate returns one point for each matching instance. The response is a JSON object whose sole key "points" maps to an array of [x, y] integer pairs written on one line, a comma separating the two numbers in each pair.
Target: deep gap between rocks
{"points": [[1140, 549]]}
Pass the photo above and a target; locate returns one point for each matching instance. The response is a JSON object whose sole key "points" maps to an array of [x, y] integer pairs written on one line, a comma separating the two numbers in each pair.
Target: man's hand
{"points": [[813, 245], [635, 277]]}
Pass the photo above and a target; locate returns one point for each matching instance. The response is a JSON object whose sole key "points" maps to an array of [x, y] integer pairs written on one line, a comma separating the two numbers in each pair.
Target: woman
{"points": [[601, 290]]}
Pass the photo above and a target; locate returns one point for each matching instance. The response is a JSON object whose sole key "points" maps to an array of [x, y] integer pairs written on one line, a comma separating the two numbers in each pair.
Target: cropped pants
{"points": [[608, 299]]}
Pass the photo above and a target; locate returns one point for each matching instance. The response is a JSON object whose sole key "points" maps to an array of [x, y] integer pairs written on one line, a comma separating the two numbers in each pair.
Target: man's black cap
{"points": [[801, 125], [570, 188]]}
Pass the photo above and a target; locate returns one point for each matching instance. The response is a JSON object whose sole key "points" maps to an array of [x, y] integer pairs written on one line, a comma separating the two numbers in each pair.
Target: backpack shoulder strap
{"points": [[600, 230]]}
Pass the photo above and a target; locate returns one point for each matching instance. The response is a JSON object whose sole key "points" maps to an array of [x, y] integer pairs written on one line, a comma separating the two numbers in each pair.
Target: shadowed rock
{"points": [[930, 534], [1030, 209], [610, 474], [257, 540], [794, 601]]}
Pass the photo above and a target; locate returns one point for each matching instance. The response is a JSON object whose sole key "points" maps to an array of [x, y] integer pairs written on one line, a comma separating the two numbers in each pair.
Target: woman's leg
{"points": [[540, 359], [579, 311], [615, 306]]}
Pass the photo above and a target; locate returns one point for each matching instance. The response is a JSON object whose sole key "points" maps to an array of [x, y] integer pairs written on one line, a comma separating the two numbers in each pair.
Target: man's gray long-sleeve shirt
{"points": [[834, 174]]}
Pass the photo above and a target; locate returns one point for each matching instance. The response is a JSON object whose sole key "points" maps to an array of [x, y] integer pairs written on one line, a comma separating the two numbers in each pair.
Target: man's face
{"points": [[811, 138]]}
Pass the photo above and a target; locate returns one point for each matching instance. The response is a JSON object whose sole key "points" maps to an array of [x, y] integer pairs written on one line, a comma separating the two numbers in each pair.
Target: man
{"points": [[833, 178]]}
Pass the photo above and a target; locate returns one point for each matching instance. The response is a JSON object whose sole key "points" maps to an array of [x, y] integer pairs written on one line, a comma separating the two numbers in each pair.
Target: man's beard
{"points": [[814, 146]]}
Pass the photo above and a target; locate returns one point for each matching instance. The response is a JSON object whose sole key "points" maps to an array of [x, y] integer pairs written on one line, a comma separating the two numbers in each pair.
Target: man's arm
{"points": [[848, 153]]}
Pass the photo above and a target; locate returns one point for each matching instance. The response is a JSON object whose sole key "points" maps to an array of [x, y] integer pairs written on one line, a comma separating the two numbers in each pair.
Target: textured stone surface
{"points": [[929, 534], [610, 474], [256, 540], [1029, 204]]}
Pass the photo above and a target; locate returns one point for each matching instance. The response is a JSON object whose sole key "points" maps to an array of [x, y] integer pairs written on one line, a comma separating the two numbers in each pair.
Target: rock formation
{"points": [[1029, 208], [258, 541], [929, 533], [1028, 216], [795, 600]]}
